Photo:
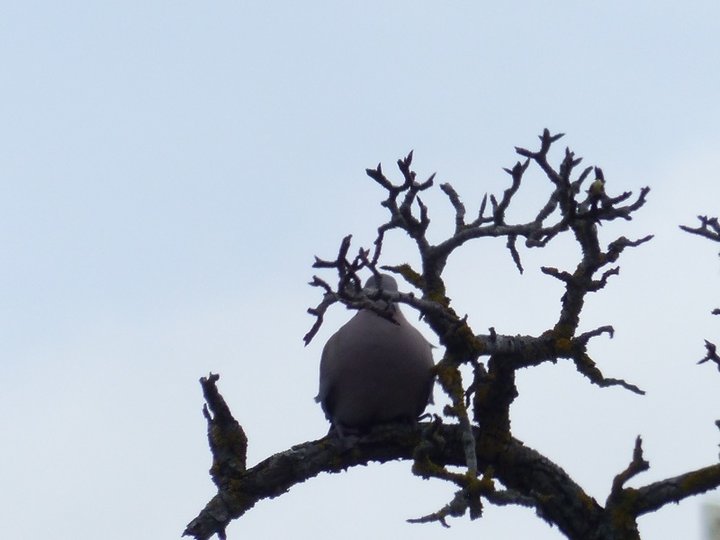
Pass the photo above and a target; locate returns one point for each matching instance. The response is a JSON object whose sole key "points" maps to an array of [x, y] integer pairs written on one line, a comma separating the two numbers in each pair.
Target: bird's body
{"points": [[375, 369]]}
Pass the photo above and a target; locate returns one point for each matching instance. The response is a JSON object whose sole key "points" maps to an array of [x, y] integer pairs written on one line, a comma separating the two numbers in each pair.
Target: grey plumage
{"points": [[375, 370]]}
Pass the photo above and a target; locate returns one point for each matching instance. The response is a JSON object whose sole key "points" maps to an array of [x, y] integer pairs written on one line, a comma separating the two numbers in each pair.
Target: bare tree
{"points": [[474, 432]]}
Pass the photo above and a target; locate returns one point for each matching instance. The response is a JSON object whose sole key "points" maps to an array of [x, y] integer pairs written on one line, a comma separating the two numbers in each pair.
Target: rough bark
{"points": [[475, 431]]}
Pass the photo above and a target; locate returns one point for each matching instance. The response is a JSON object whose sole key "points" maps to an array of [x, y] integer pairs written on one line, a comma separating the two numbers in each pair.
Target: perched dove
{"points": [[375, 369]]}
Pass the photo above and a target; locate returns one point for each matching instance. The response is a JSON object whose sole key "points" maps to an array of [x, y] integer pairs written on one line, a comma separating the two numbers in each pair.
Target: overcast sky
{"points": [[168, 170]]}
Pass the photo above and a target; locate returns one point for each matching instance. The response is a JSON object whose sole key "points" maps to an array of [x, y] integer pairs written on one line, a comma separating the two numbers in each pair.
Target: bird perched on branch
{"points": [[376, 369]]}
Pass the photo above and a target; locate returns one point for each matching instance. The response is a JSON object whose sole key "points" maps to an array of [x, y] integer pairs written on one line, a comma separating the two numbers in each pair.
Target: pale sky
{"points": [[168, 170]]}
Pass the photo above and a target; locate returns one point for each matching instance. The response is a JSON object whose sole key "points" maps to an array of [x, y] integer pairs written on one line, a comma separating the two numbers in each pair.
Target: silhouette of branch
{"points": [[709, 228], [711, 355], [673, 490], [278, 473], [493, 390], [530, 479], [496, 467], [637, 465]]}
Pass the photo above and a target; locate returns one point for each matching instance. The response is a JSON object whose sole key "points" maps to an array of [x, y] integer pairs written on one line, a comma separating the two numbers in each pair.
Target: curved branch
{"points": [[483, 447], [518, 467], [531, 479]]}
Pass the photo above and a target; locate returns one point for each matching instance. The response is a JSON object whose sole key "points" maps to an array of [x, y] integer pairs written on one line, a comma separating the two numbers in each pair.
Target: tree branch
{"points": [[712, 355], [494, 389], [228, 445], [673, 490], [513, 463], [709, 228], [496, 467], [530, 478]]}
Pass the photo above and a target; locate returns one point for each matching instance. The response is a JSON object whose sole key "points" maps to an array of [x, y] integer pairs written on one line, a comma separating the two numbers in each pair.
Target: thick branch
{"points": [[522, 470], [227, 438], [228, 444], [673, 490], [518, 467]]}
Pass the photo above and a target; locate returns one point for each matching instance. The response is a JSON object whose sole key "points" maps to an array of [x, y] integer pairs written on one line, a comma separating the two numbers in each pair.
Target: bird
{"points": [[376, 368]]}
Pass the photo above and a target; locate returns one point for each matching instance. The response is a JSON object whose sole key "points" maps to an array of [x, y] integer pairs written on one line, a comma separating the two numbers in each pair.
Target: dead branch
{"points": [[709, 228], [711, 355], [512, 463], [481, 441]]}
